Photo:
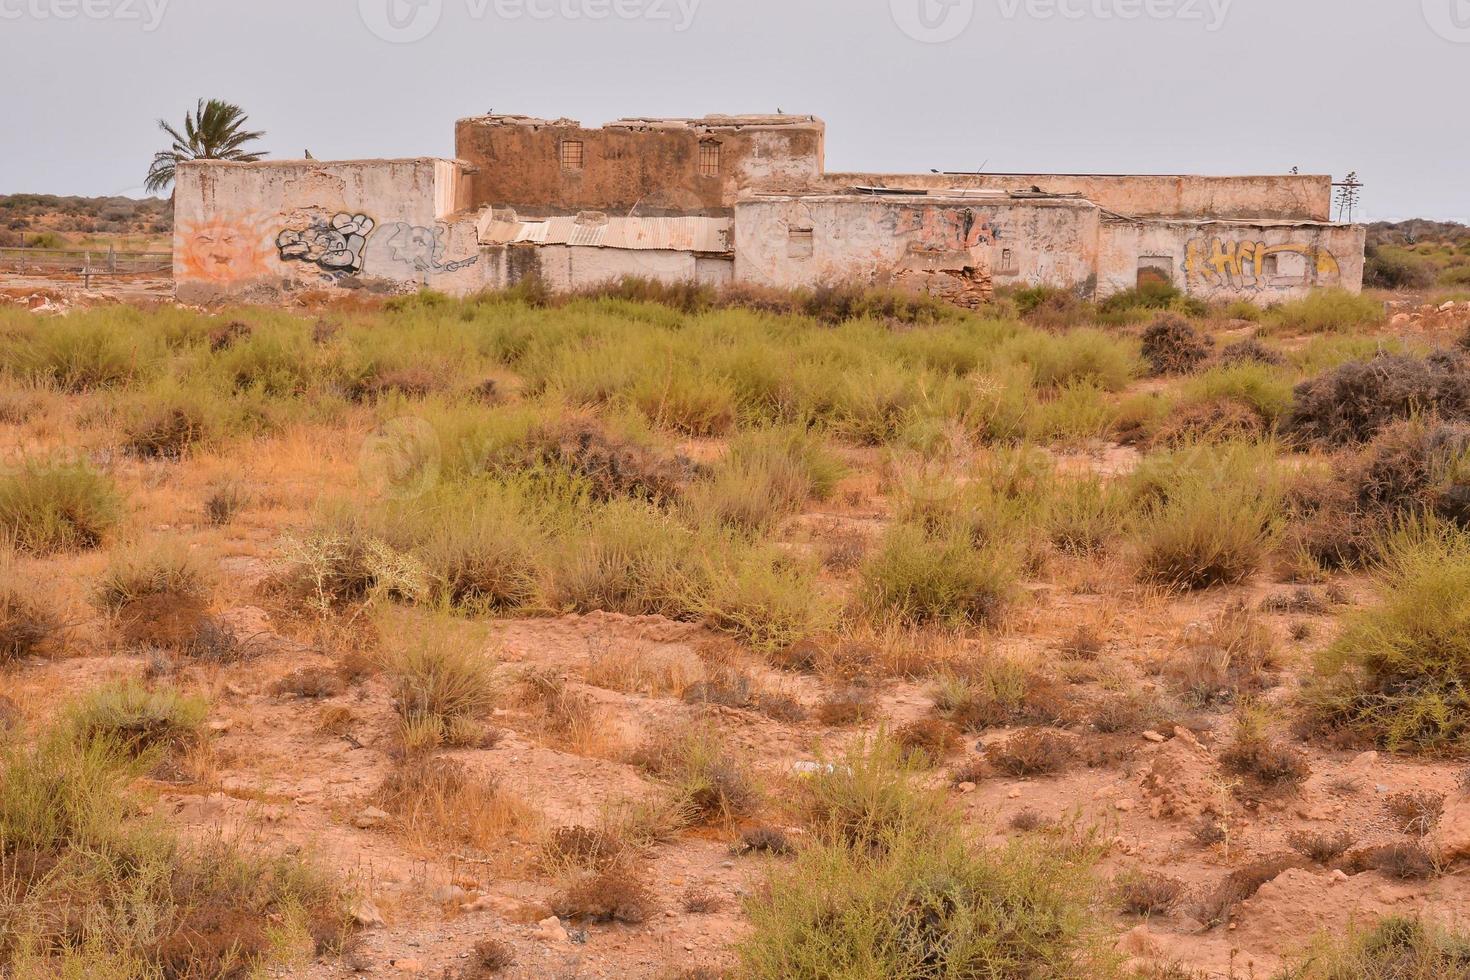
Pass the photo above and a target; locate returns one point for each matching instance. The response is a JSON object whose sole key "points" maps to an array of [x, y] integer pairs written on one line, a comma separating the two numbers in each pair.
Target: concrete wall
{"points": [[652, 166], [1264, 263], [1296, 197], [787, 242], [256, 231], [569, 267]]}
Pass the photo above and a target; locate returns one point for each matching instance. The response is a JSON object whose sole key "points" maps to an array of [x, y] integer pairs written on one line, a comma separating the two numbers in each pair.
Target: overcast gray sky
{"points": [[1147, 86]]}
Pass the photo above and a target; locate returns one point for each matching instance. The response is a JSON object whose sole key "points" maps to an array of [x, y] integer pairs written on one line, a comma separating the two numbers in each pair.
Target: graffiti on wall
{"points": [[944, 228], [1258, 265], [423, 248], [224, 249], [335, 246]]}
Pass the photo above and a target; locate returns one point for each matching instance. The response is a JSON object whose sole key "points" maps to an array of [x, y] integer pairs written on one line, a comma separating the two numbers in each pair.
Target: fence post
{"points": [[87, 270], [111, 258]]}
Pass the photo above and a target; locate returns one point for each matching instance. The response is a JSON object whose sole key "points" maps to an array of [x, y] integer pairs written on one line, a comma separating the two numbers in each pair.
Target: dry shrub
{"points": [[224, 503], [844, 550], [710, 784], [1302, 600], [310, 683], [27, 622], [926, 742], [1354, 402], [1267, 765], [1397, 948], [1232, 655], [1172, 346], [336, 720], [489, 958], [1320, 847], [168, 432], [136, 720], [408, 381], [1146, 893], [1408, 860], [442, 688], [998, 692], [1416, 813], [566, 717], [618, 893], [1028, 821], [226, 335], [1214, 420], [701, 900], [438, 801], [1251, 351], [613, 468], [584, 847], [765, 840], [1208, 831], [1033, 752], [1216, 905], [850, 705], [10, 715], [1132, 713], [633, 669], [973, 770], [1086, 643]]}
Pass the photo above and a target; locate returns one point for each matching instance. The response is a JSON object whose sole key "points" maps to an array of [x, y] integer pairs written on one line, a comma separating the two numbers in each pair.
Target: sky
{"points": [[1102, 86]]}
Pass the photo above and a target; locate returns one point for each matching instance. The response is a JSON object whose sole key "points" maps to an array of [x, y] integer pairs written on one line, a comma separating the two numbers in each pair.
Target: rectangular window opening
{"points": [[709, 158], [573, 154]]}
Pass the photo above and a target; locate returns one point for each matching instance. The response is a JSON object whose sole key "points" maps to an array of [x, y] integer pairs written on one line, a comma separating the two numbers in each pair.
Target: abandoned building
{"points": [[735, 199]]}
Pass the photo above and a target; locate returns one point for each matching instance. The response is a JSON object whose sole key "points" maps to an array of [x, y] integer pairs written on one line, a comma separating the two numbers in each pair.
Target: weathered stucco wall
{"points": [[257, 230], [566, 267], [1261, 262], [791, 242], [650, 165], [1296, 197]]}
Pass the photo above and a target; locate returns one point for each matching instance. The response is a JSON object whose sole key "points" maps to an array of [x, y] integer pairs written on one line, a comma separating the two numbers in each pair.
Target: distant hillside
{"points": [[1418, 254], [47, 220]]}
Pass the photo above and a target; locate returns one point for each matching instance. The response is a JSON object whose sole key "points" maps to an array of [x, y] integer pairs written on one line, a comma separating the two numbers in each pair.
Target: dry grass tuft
{"points": [[1320, 847], [1146, 893], [1415, 813], [441, 801], [1033, 752]]}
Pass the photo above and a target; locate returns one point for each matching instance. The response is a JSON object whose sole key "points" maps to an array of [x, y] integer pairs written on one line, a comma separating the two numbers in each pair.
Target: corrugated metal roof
{"points": [[664, 234]]}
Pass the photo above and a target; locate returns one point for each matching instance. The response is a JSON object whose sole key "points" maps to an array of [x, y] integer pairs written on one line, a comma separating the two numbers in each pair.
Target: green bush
{"points": [[1398, 673], [131, 718], [892, 890], [917, 577], [1397, 948], [1328, 311], [50, 508]]}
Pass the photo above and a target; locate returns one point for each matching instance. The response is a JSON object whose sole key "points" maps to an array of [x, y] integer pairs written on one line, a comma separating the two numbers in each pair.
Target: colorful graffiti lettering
{"points": [[1255, 265], [224, 249], [336, 245], [423, 249]]}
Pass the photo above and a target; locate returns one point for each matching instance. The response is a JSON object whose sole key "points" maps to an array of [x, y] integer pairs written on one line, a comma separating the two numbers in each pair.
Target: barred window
{"points": [[573, 154], [709, 158]]}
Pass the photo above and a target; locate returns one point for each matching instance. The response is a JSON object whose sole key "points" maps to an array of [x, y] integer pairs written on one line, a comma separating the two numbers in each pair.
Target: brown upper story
{"points": [[647, 166], [659, 167]]}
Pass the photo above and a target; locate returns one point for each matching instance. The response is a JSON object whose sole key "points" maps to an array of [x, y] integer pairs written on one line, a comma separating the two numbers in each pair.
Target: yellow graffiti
{"points": [[1213, 262]]}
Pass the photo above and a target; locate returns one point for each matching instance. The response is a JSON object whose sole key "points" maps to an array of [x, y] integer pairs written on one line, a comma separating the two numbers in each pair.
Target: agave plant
{"points": [[215, 130]]}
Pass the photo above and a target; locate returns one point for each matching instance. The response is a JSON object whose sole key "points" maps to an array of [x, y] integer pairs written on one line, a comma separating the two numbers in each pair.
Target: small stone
{"points": [[551, 930], [1154, 737], [1339, 876], [967, 787], [370, 818], [221, 725], [449, 895], [408, 966], [366, 915], [1124, 805], [1014, 794]]}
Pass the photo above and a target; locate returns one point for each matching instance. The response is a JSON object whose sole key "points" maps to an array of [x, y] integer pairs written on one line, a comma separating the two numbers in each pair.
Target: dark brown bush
{"points": [[848, 706], [490, 958], [310, 683], [1268, 765], [1217, 420], [1033, 752], [1251, 351], [1323, 848], [226, 335], [1146, 893], [584, 847], [701, 900], [764, 840], [1354, 402], [1172, 346], [1416, 813], [1405, 860], [1216, 905], [927, 741], [26, 624], [167, 433], [412, 381], [1028, 820], [617, 893], [613, 468]]}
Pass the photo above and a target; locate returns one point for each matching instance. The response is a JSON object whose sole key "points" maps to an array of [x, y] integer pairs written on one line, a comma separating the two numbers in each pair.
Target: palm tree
{"points": [[212, 132]]}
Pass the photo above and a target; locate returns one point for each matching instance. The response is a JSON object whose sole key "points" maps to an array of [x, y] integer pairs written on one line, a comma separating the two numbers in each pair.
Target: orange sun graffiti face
{"points": [[225, 249]]}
